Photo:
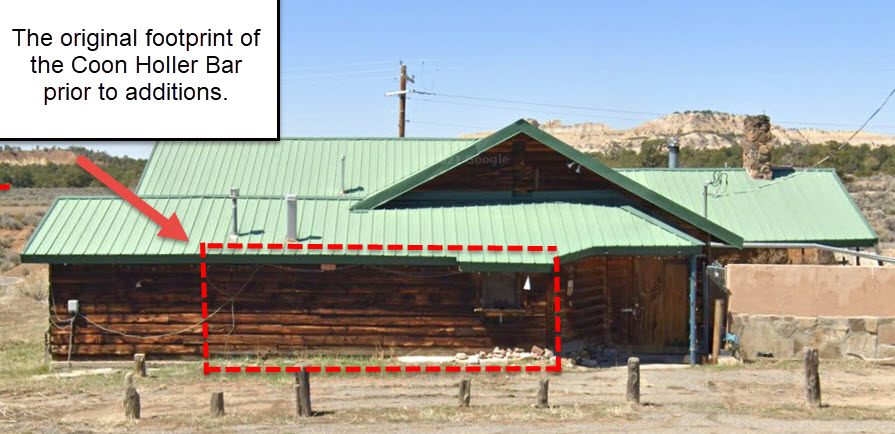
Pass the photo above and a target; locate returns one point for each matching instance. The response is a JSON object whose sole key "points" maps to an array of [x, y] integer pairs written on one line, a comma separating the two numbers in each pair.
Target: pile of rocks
{"points": [[592, 356], [504, 354]]}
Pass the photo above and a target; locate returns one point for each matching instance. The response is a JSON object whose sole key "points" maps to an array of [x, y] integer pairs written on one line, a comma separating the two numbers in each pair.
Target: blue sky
{"points": [[814, 62]]}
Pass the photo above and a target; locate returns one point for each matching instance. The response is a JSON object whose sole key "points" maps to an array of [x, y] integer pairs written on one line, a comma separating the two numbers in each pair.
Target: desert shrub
{"points": [[10, 222], [35, 289], [9, 260]]}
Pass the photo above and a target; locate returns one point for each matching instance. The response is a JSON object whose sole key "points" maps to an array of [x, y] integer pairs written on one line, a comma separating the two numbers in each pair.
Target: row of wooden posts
{"points": [[302, 388]]}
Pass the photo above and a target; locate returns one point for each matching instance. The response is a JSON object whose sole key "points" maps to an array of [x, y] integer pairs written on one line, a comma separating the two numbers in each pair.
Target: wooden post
{"points": [[812, 378], [716, 330], [402, 100], [217, 404], [542, 393], [464, 395], [131, 398], [303, 393], [140, 365], [633, 393]]}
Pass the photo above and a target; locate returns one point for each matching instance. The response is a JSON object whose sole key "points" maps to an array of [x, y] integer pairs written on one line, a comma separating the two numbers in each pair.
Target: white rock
{"points": [[461, 356], [728, 361], [473, 360]]}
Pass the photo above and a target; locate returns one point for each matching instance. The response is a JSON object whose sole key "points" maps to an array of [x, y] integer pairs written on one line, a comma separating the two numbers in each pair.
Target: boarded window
{"points": [[499, 291]]}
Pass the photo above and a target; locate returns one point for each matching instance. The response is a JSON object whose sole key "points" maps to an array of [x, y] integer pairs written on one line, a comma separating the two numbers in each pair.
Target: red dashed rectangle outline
{"points": [[207, 369]]}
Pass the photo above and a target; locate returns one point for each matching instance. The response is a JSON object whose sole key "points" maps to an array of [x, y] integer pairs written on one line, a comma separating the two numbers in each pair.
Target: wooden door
{"points": [[649, 307]]}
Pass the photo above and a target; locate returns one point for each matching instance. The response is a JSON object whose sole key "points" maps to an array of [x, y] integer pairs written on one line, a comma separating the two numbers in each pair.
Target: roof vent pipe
{"points": [[674, 151], [234, 231], [291, 217], [342, 174]]}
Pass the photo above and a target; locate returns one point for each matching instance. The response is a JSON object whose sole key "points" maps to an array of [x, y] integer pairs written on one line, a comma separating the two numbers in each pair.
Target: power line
{"points": [[822, 124], [340, 73], [821, 161], [509, 101], [443, 124], [872, 115], [338, 67], [469, 104]]}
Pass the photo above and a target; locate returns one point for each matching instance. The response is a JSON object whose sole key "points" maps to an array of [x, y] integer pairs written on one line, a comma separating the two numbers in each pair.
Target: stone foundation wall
{"points": [[786, 337]]}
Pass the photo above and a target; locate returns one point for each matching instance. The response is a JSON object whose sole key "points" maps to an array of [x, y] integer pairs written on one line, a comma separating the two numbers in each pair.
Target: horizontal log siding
{"points": [[285, 309]]}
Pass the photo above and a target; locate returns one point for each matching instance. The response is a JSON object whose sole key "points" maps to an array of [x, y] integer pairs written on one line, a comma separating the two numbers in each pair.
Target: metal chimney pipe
{"points": [[342, 174], [674, 151], [234, 231], [291, 217]]}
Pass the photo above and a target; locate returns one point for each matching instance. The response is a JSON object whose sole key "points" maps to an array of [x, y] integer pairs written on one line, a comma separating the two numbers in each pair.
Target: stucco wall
{"points": [[811, 290]]}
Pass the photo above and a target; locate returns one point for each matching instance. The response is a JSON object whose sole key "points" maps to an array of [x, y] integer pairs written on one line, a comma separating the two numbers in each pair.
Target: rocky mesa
{"points": [[696, 129]]}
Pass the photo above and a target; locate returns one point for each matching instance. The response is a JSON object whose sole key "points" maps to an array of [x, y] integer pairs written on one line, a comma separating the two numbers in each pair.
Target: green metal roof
{"points": [[393, 190], [801, 205], [306, 167], [104, 229]]}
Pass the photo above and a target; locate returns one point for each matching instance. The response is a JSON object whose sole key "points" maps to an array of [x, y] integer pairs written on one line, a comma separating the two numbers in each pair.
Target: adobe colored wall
{"points": [[811, 290]]}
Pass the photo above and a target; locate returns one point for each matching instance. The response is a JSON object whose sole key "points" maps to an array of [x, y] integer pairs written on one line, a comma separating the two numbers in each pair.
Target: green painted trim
{"points": [[844, 243], [522, 127], [213, 196], [353, 259], [386, 194], [508, 197], [506, 268], [632, 186], [668, 228], [240, 259], [380, 138], [146, 167], [630, 251]]}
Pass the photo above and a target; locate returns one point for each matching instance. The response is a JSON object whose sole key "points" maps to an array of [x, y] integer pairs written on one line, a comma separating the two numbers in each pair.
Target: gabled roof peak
{"points": [[521, 126]]}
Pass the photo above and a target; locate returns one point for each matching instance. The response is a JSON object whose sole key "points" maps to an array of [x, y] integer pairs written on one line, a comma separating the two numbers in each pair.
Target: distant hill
{"points": [[56, 168], [693, 129], [18, 157]]}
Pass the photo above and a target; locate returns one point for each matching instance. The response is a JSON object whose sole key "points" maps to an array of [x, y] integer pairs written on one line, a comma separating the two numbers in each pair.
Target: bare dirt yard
{"points": [[859, 397]]}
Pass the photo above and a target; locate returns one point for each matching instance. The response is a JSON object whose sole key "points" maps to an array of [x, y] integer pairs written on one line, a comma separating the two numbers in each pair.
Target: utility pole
{"points": [[402, 101], [402, 98]]}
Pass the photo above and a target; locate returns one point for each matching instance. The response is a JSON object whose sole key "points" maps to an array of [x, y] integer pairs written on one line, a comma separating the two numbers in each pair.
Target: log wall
{"points": [[285, 309], [358, 309]]}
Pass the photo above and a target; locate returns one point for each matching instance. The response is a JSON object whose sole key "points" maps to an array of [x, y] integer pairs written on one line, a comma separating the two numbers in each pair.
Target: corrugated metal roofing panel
{"points": [[804, 205], [306, 167], [93, 229]]}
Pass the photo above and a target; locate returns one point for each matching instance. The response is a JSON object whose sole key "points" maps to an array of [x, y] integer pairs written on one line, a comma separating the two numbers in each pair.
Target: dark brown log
{"points": [[543, 388], [131, 398], [354, 307], [217, 404], [302, 394], [140, 365], [812, 378], [633, 390], [464, 394]]}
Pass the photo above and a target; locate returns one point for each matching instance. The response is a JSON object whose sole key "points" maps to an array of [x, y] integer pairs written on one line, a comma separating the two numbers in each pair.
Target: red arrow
{"points": [[171, 228]]}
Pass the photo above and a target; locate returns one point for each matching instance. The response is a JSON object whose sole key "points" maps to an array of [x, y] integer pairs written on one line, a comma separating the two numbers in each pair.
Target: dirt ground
{"points": [[767, 397]]}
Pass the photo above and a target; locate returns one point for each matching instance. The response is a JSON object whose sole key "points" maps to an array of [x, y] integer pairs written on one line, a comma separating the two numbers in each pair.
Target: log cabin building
{"points": [[361, 244]]}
